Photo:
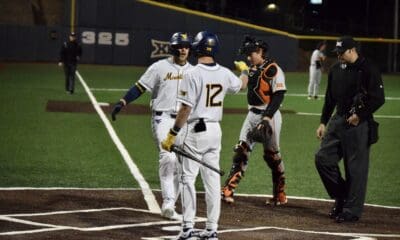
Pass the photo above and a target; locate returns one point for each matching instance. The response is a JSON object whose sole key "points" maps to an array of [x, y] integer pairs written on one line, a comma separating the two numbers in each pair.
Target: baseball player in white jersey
{"points": [[163, 79], [202, 94], [266, 88], [315, 70]]}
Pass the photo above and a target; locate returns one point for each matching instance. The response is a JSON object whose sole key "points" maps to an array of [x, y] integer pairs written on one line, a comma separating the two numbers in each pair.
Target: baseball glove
{"points": [[261, 133]]}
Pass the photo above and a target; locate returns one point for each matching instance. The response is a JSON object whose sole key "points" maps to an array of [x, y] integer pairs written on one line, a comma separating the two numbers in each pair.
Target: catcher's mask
{"points": [[250, 45], [179, 40], [205, 44]]}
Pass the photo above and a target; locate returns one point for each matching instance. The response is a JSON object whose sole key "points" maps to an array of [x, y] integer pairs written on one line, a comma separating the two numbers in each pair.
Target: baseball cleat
{"points": [[170, 214], [228, 199], [208, 234], [187, 234], [281, 199]]}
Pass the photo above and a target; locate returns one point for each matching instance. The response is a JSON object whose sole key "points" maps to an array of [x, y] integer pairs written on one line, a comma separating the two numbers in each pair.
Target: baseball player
{"points": [[70, 54], [201, 95], [266, 89], [315, 70], [163, 79]]}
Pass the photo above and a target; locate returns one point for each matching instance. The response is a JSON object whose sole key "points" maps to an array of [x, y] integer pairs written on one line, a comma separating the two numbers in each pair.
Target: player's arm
{"points": [[181, 119], [273, 106], [244, 73], [136, 91]]}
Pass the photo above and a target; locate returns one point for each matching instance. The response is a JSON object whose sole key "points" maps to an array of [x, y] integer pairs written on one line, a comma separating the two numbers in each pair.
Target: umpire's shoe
{"points": [[187, 234], [346, 217], [208, 234], [336, 209]]}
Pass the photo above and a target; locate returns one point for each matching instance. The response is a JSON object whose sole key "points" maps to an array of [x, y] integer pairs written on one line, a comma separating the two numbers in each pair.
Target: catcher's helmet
{"points": [[205, 44], [250, 45], [179, 40]]}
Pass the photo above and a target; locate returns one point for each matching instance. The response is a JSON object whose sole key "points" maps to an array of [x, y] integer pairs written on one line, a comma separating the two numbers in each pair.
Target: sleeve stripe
{"points": [[185, 102], [142, 87]]}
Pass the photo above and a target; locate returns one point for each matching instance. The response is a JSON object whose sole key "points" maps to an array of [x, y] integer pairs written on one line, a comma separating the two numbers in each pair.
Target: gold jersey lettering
{"points": [[170, 76]]}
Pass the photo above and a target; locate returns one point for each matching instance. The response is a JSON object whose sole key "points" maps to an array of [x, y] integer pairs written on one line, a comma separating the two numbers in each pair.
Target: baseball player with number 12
{"points": [[162, 79], [201, 95]]}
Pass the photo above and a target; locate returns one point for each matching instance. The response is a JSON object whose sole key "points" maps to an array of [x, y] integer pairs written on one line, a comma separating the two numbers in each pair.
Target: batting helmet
{"points": [[205, 44], [179, 40], [250, 45]]}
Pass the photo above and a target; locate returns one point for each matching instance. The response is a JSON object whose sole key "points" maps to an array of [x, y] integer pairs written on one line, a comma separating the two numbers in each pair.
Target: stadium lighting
{"points": [[316, 2], [272, 7]]}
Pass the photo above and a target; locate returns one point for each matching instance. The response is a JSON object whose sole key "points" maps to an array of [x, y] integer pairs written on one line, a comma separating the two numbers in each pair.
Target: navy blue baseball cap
{"points": [[344, 43]]}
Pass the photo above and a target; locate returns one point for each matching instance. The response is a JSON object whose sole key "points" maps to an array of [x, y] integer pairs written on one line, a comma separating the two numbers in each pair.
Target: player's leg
{"points": [[72, 78], [274, 161], [240, 158], [66, 75], [317, 83], [167, 165], [211, 180], [356, 162], [327, 163], [189, 172], [311, 83]]}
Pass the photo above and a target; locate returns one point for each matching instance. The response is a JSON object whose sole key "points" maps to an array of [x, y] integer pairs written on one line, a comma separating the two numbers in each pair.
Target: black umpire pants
{"points": [[350, 143], [69, 71]]}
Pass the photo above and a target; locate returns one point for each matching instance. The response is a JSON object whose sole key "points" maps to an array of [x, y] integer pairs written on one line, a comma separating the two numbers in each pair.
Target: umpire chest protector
{"points": [[259, 86]]}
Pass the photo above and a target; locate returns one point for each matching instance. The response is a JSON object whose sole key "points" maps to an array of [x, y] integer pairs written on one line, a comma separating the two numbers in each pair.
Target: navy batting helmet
{"points": [[179, 40], [250, 44], [205, 44]]}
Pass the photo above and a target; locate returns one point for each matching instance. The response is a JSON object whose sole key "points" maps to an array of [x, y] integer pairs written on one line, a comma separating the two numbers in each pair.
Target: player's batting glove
{"points": [[242, 67], [117, 108], [169, 141]]}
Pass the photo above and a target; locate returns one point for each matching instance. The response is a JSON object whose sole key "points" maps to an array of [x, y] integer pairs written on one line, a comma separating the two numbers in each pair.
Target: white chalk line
{"points": [[52, 227], [241, 93], [158, 190], [148, 194]]}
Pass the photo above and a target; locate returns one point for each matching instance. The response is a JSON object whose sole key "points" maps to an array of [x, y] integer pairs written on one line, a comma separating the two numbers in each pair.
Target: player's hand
{"points": [[353, 120], [60, 64], [241, 66], [167, 143], [117, 108], [320, 131]]}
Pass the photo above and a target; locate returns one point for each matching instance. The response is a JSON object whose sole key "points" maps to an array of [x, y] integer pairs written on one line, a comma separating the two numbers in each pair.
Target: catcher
{"points": [[265, 93]]}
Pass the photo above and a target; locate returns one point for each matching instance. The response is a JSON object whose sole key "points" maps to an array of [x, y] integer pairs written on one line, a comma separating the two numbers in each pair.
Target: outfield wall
{"points": [[130, 32]]}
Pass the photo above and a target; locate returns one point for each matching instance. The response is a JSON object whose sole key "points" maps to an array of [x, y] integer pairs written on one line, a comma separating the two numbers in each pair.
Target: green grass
{"points": [[48, 149]]}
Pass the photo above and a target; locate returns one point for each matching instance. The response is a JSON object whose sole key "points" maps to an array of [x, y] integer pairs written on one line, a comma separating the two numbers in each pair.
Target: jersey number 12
{"points": [[212, 91]]}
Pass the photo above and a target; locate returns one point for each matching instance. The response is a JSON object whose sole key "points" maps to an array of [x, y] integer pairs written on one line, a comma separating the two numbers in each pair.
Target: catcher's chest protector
{"points": [[260, 89]]}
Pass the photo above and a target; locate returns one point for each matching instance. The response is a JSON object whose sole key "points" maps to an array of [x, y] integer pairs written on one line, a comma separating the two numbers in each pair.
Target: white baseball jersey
{"points": [[317, 55], [204, 90], [315, 73], [162, 79]]}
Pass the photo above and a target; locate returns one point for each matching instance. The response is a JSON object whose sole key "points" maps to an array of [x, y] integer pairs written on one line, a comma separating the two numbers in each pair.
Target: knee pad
{"points": [[241, 157], [272, 158]]}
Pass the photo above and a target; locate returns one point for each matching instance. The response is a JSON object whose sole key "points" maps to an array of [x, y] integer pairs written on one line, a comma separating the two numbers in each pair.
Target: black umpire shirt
{"points": [[71, 51], [342, 88]]}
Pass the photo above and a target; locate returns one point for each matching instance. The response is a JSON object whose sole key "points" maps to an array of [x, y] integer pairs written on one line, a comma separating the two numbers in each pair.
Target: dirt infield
{"points": [[123, 214]]}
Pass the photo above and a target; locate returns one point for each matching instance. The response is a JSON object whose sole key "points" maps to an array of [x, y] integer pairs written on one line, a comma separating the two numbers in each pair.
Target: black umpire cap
{"points": [[344, 43]]}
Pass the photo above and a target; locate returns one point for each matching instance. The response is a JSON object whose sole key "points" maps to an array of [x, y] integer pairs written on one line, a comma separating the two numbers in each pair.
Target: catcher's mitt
{"points": [[261, 133]]}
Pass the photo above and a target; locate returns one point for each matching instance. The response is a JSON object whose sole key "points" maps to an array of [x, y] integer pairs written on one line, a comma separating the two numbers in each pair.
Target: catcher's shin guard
{"points": [[239, 165], [278, 179]]}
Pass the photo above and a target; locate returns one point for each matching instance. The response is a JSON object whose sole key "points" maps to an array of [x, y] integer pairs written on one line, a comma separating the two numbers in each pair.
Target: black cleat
{"points": [[346, 217], [336, 209]]}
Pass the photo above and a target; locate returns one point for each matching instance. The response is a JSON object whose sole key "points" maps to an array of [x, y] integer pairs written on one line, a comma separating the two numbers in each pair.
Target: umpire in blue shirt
{"points": [[355, 89]]}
